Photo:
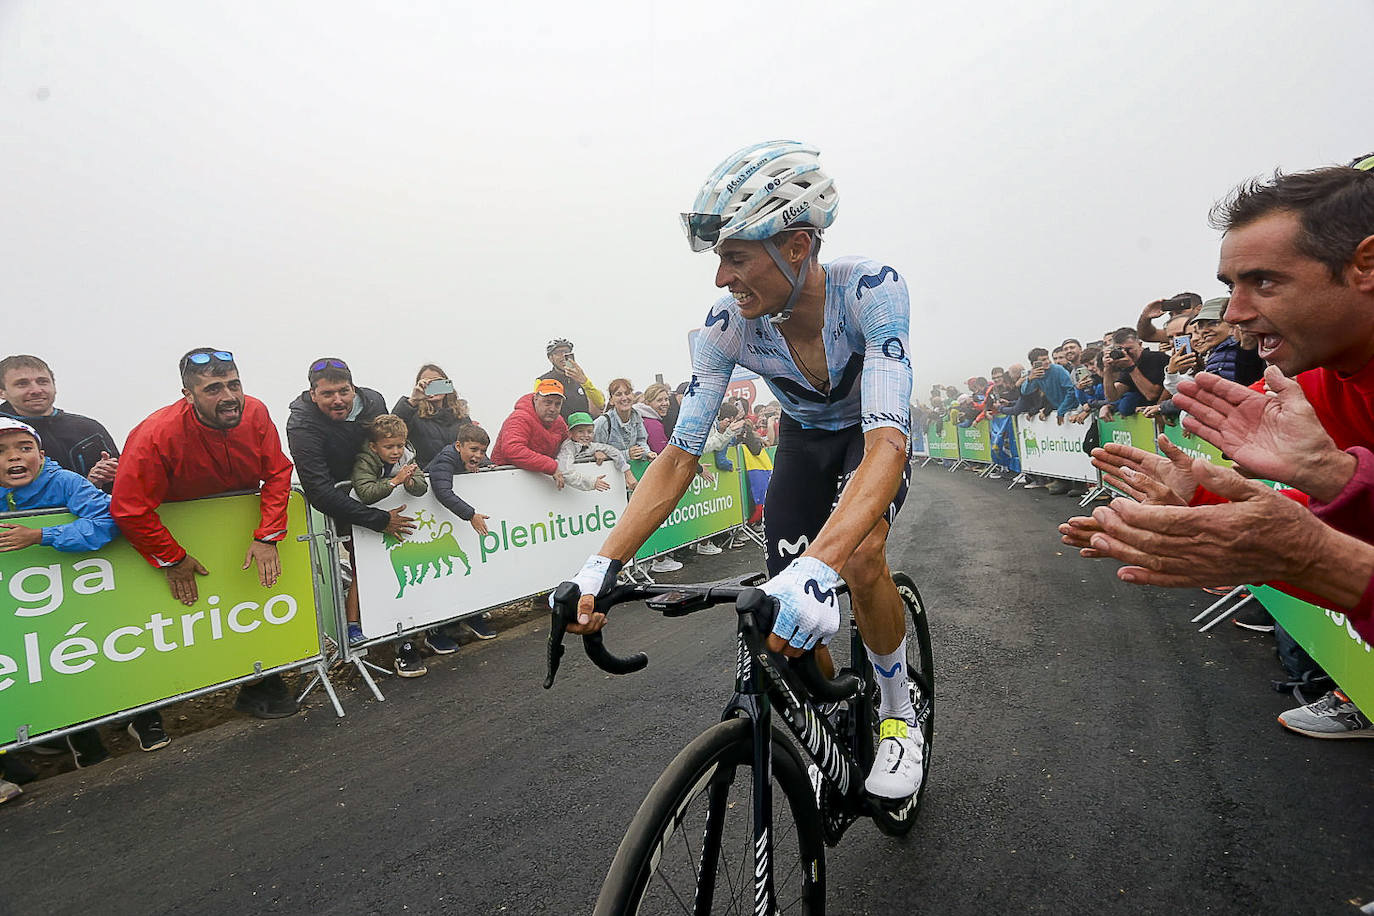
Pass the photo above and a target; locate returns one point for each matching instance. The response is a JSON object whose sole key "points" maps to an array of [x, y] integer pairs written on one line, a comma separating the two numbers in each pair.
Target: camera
{"points": [[1179, 303], [1117, 353], [439, 386]]}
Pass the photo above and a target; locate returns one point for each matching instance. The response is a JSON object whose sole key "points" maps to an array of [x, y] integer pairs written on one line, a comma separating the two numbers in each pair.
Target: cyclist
{"points": [[831, 342]]}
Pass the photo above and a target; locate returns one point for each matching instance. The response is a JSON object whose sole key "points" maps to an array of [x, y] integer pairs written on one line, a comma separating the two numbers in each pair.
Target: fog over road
{"points": [[1093, 753]]}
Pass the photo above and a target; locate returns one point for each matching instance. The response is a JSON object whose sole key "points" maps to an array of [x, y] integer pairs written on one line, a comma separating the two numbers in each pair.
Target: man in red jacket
{"points": [[531, 435], [214, 440]]}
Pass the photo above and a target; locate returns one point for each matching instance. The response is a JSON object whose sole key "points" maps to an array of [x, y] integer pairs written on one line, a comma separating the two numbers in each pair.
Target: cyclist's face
{"points": [[750, 275]]}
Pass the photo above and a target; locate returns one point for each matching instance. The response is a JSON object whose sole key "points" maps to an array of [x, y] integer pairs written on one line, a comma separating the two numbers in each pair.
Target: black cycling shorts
{"points": [[810, 471]]}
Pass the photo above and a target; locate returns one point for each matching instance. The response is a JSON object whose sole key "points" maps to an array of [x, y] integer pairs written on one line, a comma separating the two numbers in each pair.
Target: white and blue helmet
{"points": [[760, 191], [756, 193]]}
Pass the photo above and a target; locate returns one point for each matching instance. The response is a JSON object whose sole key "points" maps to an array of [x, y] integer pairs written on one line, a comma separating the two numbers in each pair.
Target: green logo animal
{"points": [[1030, 443], [414, 561]]}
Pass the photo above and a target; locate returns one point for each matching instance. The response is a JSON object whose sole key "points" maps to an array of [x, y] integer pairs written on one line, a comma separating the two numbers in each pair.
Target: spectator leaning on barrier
{"points": [[1298, 255], [76, 443], [216, 439], [1073, 353], [433, 413], [1134, 376], [1051, 381], [531, 435], [579, 394], [325, 429], [580, 446], [621, 425], [30, 481], [467, 455]]}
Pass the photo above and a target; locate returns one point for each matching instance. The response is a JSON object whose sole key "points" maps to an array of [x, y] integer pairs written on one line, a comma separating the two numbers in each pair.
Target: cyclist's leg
{"points": [[806, 473]]}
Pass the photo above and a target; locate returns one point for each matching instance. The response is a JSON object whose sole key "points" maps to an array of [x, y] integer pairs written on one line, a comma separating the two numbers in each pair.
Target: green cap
{"points": [[579, 419]]}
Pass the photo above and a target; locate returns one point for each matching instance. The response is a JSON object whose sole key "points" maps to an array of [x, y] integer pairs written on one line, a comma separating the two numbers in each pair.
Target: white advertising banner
{"points": [[537, 536], [1053, 450]]}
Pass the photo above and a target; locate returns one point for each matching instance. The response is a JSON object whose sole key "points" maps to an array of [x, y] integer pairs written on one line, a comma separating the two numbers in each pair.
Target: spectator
{"points": [[466, 455], [325, 431], [1007, 390], [216, 439], [652, 406], [674, 406], [1227, 356], [622, 426], [432, 412], [76, 443], [1088, 386], [1135, 376], [1058, 358], [579, 394], [1183, 305], [33, 481], [1051, 381], [386, 462], [533, 432], [1073, 353], [581, 446]]}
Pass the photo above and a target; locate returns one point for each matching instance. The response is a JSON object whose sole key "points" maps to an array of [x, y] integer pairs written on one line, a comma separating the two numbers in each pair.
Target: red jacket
{"points": [[526, 442], [172, 456]]}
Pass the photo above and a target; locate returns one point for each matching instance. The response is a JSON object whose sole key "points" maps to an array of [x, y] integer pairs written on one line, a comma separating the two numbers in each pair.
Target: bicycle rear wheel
{"points": [[690, 847], [920, 668]]}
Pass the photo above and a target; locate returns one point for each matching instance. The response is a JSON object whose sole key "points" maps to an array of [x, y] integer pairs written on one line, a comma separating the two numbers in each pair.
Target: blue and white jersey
{"points": [[867, 318]]}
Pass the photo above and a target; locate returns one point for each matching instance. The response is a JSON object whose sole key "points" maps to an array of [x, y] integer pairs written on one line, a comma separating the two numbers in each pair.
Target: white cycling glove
{"points": [[808, 610], [596, 577]]}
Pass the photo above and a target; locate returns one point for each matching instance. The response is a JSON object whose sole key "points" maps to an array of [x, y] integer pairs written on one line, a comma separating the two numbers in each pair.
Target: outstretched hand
{"points": [[1276, 436], [1152, 480]]}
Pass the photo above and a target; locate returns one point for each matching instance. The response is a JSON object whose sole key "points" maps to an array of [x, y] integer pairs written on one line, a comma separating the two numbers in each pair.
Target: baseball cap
{"points": [[11, 425], [548, 386], [1213, 309], [579, 419]]}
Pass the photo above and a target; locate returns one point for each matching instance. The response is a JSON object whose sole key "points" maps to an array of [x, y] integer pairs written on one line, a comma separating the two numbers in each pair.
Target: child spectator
{"points": [[386, 462], [31, 480], [467, 455], [579, 445]]}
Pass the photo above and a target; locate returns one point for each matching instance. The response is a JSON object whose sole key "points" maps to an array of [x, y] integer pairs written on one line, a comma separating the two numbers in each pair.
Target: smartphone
{"points": [[439, 386], [1176, 303], [1183, 343], [1081, 373]]}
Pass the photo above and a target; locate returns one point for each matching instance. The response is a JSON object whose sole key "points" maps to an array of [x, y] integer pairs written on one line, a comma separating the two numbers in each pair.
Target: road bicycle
{"points": [[739, 821]]}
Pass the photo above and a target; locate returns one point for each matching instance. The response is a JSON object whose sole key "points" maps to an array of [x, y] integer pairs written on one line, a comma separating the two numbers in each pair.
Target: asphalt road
{"points": [[1093, 754]]}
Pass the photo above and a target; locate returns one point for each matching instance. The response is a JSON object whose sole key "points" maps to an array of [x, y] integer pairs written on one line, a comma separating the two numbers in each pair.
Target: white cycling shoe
{"points": [[897, 764]]}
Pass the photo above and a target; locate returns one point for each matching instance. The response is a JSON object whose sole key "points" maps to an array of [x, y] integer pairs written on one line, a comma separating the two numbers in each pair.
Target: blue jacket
{"points": [[1057, 386], [55, 488]]}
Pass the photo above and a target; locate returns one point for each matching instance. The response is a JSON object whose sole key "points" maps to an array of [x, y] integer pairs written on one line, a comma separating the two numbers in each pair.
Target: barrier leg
{"points": [[1020, 478], [1219, 602], [1227, 613], [362, 667], [1092, 494], [321, 677]]}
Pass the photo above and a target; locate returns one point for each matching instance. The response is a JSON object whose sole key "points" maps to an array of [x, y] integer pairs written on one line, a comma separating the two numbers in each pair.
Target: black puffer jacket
{"points": [[324, 450]]}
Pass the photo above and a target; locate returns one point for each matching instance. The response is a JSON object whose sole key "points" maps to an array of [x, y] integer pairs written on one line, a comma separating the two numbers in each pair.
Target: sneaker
{"points": [[408, 663], [665, 565], [87, 748], [9, 790], [267, 699], [994, 476], [147, 730], [1057, 488], [1255, 618], [479, 626], [440, 643], [1033, 484], [707, 549], [738, 540], [1333, 716], [355, 634], [897, 764]]}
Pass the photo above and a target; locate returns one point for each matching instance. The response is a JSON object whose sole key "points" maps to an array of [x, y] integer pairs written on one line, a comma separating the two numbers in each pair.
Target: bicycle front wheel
{"points": [[690, 847]]}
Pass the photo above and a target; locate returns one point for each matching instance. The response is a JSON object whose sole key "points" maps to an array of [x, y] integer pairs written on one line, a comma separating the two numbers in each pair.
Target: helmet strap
{"points": [[797, 278]]}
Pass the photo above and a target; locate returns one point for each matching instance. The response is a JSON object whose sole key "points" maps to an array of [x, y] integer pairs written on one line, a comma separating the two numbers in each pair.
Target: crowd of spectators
{"points": [[348, 454]]}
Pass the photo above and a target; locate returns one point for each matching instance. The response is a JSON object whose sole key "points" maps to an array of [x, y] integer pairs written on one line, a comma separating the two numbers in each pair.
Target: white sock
{"points": [[894, 699]]}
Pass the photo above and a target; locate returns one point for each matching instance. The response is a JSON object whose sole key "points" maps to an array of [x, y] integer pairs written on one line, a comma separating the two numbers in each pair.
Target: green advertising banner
{"points": [[941, 440], [83, 635], [975, 442], [1329, 638], [707, 508], [1133, 430], [1193, 446]]}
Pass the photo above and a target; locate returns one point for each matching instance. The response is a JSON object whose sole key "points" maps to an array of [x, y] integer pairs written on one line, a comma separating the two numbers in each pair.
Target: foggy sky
{"points": [[401, 183]]}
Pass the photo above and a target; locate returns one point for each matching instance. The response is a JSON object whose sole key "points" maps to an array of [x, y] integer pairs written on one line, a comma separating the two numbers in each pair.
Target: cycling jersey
{"points": [[867, 316]]}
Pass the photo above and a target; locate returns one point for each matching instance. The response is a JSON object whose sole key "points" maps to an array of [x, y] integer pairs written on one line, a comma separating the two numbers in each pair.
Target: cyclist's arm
{"points": [[654, 499]]}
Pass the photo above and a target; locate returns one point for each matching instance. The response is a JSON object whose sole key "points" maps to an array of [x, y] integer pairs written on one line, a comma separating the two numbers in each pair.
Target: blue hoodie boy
{"points": [[55, 488]]}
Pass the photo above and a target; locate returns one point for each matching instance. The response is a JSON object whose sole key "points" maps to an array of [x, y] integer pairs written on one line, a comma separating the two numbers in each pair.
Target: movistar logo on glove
{"points": [[808, 610]]}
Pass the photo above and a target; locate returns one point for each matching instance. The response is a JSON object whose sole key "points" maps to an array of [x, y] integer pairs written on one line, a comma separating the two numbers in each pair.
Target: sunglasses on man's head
{"points": [[328, 363], [203, 359]]}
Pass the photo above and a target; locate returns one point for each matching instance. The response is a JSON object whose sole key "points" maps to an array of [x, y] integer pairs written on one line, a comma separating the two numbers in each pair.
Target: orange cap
{"points": [[548, 386]]}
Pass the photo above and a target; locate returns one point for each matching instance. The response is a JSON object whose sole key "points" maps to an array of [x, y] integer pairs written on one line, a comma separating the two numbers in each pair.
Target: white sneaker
{"points": [[665, 564], [897, 764], [707, 549]]}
